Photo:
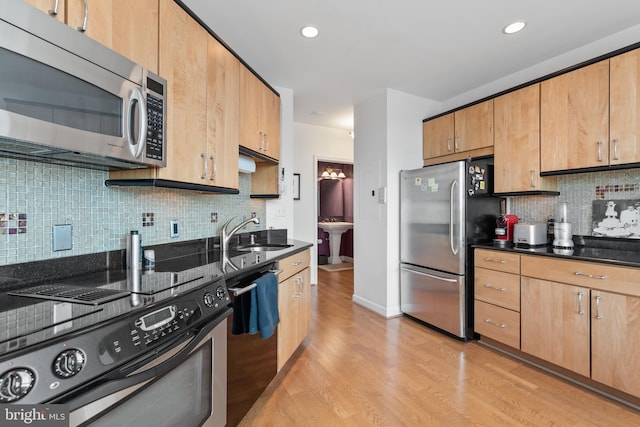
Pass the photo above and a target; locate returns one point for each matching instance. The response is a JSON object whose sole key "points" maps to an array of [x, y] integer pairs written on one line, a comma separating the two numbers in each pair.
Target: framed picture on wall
{"points": [[296, 186]]}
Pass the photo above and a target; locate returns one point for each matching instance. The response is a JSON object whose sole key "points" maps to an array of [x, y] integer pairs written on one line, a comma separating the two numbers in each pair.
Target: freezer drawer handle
{"points": [[486, 285], [429, 275], [497, 325], [501, 261]]}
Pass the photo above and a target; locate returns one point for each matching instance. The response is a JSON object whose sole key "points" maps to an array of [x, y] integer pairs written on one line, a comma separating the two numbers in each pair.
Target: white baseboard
{"points": [[377, 308]]}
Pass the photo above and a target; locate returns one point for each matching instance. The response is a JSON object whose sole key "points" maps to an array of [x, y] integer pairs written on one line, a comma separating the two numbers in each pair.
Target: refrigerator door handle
{"points": [[413, 270], [454, 184]]}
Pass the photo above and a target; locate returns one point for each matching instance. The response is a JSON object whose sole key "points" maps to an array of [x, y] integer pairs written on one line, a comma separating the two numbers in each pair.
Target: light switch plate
{"points": [[62, 240], [175, 228]]}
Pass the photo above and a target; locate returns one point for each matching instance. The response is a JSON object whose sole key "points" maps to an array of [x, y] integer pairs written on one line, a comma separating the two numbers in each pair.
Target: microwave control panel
{"points": [[155, 128]]}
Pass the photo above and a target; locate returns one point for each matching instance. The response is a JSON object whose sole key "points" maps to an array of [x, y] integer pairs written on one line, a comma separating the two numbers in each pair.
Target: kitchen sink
{"points": [[260, 247]]}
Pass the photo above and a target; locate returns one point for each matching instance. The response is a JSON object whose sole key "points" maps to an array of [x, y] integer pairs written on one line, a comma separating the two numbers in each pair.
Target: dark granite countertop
{"points": [[623, 252], [180, 267]]}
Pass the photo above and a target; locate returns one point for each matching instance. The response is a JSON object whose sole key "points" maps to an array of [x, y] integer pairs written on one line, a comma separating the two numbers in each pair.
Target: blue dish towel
{"points": [[257, 310]]}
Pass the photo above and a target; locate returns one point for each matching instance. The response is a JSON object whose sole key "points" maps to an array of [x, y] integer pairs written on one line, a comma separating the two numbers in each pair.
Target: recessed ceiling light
{"points": [[309, 32], [514, 27]]}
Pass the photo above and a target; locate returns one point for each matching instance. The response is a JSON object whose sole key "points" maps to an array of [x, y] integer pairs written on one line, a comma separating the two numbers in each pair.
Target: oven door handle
{"points": [[118, 380]]}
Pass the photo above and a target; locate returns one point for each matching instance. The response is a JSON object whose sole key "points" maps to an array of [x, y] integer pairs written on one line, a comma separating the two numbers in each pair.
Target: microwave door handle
{"points": [[119, 380], [136, 106], [452, 214]]}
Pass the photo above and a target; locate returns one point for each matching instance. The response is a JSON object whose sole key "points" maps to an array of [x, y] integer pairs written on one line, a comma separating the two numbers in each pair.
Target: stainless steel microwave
{"points": [[67, 99]]}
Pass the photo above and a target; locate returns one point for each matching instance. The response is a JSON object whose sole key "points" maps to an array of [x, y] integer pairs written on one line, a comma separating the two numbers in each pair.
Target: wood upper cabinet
{"points": [[474, 127], [437, 136], [468, 129], [223, 115], [624, 132], [555, 323], [128, 27], [259, 116], [49, 7], [615, 331], [574, 119], [517, 143]]}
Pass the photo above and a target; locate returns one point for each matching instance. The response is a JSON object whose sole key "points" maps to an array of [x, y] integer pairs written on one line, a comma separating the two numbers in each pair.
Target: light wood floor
{"points": [[358, 369]]}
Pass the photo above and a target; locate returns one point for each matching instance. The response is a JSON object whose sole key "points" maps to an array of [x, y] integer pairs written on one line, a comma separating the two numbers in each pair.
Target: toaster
{"points": [[530, 234]]}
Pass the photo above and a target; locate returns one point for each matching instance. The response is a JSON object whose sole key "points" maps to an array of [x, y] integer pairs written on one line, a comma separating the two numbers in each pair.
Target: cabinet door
{"points": [[128, 27], [270, 115], [183, 62], [517, 142], [555, 323], [223, 115], [625, 108], [474, 127], [574, 119], [48, 7], [251, 135], [615, 331], [437, 137], [294, 305]]}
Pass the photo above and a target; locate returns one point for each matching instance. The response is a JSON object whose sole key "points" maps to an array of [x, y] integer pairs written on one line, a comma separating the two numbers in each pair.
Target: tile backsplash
{"points": [[100, 216], [579, 190]]}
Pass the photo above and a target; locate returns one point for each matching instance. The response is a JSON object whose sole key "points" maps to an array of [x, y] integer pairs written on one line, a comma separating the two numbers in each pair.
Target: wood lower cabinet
{"points": [[598, 339], [497, 296], [517, 143], [294, 304], [555, 323], [615, 341], [574, 119]]}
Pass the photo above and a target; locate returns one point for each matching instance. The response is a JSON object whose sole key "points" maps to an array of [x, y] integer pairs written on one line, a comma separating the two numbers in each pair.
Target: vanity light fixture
{"points": [[331, 173], [514, 27], [309, 32]]}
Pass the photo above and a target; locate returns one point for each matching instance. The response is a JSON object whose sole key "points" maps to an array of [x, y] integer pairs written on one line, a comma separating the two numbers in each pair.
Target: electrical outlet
{"points": [[281, 211], [214, 217], [175, 228]]}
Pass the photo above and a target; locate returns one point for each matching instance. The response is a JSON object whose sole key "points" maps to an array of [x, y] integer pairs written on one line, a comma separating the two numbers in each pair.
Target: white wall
{"points": [[388, 138], [310, 144]]}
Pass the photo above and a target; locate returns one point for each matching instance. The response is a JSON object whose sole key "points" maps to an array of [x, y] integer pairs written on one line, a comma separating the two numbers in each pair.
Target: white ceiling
{"points": [[432, 49]]}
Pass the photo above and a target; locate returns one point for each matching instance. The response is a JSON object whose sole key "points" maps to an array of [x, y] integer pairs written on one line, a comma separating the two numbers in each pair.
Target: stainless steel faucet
{"points": [[227, 235]]}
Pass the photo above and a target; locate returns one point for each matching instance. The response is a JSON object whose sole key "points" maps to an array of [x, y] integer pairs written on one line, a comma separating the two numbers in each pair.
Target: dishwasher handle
{"points": [[120, 379]]}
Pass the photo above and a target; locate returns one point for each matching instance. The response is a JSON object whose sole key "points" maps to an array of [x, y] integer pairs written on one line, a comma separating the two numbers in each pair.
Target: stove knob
{"points": [[220, 293], [209, 299], [16, 384], [69, 362]]}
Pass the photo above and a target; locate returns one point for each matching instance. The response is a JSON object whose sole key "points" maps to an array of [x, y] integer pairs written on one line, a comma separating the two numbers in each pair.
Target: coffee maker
{"points": [[562, 232], [504, 229]]}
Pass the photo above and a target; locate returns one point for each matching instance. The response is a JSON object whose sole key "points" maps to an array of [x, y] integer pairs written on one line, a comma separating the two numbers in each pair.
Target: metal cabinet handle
{"points": [[533, 178], [215, 168], [455, 142], [616, 156], [598, 299], [205, 167], [500, 261], [297, 263], [488, 286], [449, 144], [599, 151], [86, 17], [266, 139], [591, 276], [261, 140], [54, 11], [580, 310], [454, 184], [497, 325]]}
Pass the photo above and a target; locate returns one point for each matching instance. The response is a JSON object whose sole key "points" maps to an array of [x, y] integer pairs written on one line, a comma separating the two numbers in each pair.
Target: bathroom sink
{"points": [[335, 230], [260, 247], [335, 227]]}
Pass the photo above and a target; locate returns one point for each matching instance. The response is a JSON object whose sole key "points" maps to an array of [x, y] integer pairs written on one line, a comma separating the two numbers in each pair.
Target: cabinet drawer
{"points": [[498, 288], [497, 260], [294, 264], [592, 275], [497, 323]]}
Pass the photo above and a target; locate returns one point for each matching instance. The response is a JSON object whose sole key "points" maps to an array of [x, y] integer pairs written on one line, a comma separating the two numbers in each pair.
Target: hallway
{"points": [[358, 369]]}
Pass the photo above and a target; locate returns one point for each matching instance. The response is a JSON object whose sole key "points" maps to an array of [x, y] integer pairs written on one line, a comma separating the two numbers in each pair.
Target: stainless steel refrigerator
{"points": [[444, 209]]}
